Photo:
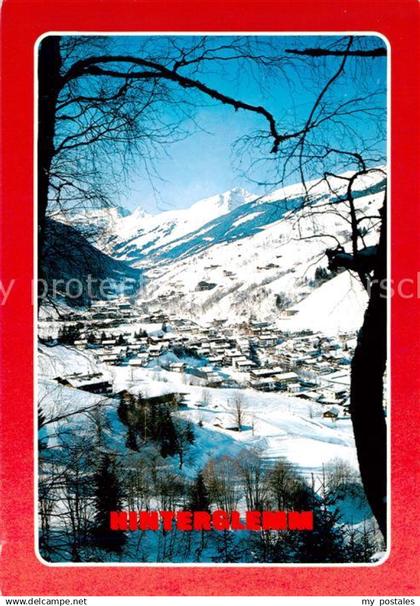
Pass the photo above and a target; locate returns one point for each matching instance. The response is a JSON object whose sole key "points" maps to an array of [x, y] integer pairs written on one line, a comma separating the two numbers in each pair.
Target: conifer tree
{"points": [[326, 542], [108, 497], [199, 496], [360, 544], [227, 549], [131, 441], [69, 334], [91, 339], [167, 434]]}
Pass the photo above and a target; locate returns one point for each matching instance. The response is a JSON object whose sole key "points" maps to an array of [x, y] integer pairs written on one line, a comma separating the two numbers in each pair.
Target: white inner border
{"points": [[35, 316]]}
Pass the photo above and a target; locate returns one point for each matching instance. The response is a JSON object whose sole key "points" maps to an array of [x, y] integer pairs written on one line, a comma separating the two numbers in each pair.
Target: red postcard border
{"points": [[22, 23]]}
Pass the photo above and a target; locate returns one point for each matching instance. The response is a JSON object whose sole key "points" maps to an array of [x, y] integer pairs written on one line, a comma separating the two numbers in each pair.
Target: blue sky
{"points": [[203, 164]]}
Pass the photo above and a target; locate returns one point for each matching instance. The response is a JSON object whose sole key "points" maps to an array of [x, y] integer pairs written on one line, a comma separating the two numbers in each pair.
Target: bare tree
{"points": [[311, 150], [250, 469], [205, 398], [339, 472], [239, 410], [137, 481], [90, 96], [65, 495], [283, 485], [222, 482], [369, 361]]}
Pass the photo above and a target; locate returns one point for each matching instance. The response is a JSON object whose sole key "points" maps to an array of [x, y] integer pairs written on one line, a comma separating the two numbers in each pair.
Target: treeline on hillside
{"points": [[69, 333], [81, 479], [153, 419]]}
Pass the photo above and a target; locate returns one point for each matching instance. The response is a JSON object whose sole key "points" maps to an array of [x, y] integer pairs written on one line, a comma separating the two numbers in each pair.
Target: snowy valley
{"points": [[240, 333]]}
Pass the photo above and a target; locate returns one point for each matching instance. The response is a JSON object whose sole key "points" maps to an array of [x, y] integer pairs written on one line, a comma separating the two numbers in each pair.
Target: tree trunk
{"points": [[366, 391], [49, 85]]}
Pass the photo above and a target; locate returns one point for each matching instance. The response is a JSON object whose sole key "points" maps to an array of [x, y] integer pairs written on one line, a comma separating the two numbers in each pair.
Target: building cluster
{"points": [[258, 355]]}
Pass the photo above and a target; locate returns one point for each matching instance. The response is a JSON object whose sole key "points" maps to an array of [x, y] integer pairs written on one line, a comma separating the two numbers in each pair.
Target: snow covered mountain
{"points": [[140, 235], [144, 239], [236, 255]]}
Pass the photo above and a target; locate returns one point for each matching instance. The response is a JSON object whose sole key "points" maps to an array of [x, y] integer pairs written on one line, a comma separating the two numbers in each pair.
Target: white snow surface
{"points": [[337, 305], [275, 424]]}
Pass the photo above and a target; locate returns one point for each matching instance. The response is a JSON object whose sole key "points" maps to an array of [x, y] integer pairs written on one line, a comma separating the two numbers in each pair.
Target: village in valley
{"points": [[304, 364]]}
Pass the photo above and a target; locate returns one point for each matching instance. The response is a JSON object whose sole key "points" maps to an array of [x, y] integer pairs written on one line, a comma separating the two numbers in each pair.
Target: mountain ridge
{"points": [[237, 256]]}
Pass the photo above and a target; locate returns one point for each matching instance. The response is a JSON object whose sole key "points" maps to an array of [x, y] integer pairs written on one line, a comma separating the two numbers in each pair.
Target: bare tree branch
{"points": [[90, 66], [324, 52]]}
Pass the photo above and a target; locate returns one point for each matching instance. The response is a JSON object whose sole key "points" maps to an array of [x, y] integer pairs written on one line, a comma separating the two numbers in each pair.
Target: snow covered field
{"points": [[277, 425]]}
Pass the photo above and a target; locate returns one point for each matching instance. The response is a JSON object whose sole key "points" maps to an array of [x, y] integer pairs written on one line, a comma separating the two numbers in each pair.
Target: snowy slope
{"points": [[228, 217], [139, 234], [261, 272], [337, 305], [254, 256], [62, 360], [282, 425]]}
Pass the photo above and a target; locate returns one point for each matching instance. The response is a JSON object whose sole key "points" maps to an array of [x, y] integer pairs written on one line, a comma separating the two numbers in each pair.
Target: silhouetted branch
{"points": [[324, 52], [90, 66]]}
